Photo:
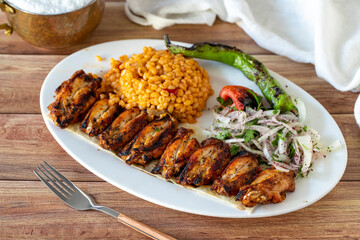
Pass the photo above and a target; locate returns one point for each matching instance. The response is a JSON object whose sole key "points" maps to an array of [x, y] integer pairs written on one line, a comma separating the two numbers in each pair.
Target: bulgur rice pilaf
{"points": [[160, 80]]}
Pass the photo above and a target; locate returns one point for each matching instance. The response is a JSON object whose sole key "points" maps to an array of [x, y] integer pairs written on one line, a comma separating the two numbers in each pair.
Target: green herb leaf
{"points": [[305, 128], [257, 98], [288, 134], [156, 129], [281, 136], [223, 135], [292, 150], [252, 122], [304, 146], [249, 135], [300, 171], [274, 157], [275, 142], [225, 103], [234, 149]]}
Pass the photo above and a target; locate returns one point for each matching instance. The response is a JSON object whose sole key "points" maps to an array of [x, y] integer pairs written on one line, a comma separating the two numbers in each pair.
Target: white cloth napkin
{"points": [[323, 32]]}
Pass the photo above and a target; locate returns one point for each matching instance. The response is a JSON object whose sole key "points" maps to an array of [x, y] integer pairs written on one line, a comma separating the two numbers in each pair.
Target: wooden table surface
{"points": [[28, 210]]}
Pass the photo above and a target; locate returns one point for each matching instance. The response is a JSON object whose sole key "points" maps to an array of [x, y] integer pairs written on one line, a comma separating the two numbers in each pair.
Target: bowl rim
{"points": [[49, 15]]}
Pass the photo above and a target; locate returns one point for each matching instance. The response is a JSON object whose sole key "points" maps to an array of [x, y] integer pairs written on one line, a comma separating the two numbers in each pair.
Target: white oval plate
{"points": [[327, 172]]}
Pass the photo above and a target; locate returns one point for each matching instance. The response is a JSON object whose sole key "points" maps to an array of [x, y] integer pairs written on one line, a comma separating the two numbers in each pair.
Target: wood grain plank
{"points": [[26, 142], [116, 26], [21, 80], [29, 210], [22, 77]]}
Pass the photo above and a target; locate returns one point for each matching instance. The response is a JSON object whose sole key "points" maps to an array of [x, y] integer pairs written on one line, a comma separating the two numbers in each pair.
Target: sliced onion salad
{"points": [[281, 140]]}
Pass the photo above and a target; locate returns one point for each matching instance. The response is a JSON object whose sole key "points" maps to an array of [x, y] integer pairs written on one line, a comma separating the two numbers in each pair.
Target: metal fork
{"points": [[75, 198]]}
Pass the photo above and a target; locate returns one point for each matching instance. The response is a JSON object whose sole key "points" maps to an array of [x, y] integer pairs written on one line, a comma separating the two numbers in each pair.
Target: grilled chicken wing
{"points": [[206, 164], [74, 98], [150, 142], [100, 116], [268, 187], [123, 129], [239, 172], [177, 153]]}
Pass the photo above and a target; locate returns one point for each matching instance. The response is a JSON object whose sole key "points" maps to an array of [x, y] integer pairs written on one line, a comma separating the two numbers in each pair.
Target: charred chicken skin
{"points": [[100, 116], [268, 187], [150, 142], [123, 129], [74, 98], [238, 173], [206, 164], [177, 153]]}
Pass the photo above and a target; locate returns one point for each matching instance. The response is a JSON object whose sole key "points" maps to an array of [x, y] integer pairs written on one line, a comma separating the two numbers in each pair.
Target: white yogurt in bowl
{"points": [[49, 7]]}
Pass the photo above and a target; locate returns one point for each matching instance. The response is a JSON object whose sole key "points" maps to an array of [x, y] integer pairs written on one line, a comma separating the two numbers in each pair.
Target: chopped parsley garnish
{"points": [[281, 136], [304, 146], [288, 134], [257, 98], [276, 160], [300, 171], [225, 103], [223, 135], [252, 122], [248, 135], [275, 143], [234, 149], [156, 129], [292, 150]]}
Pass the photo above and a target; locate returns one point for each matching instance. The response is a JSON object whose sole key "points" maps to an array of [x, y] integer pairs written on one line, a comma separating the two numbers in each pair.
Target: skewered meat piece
{"points": [[74, 98], [268, 187], [238, 173], [100, 116], [206, 164], [150, 142], [177, 153], [123, 129]]}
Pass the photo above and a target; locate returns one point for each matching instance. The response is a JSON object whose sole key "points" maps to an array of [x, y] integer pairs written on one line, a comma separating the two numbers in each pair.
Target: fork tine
{"points": [[67, 181], [57, 180], [50, 186], [66, 194]]}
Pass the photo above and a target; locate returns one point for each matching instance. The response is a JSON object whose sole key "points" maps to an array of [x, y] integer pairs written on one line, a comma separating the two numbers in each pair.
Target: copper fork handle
{"points": [[143, 228]]}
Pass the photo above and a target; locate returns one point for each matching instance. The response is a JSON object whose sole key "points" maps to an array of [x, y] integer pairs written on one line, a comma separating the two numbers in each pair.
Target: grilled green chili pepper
{"points": [[248, 65]]}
